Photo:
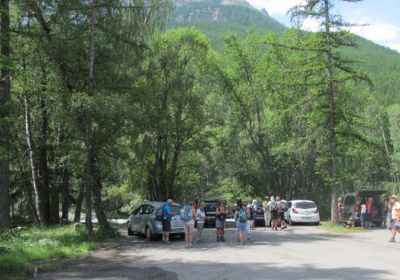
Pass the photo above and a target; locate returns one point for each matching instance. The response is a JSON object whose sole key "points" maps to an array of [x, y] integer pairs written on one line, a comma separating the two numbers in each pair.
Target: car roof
{"points": [[158, 203], [371, 192], [300, 200]]}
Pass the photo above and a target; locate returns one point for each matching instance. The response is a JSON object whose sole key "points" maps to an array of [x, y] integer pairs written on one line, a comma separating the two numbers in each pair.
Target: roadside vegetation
{"points": [[25, 249], [339, 228]]}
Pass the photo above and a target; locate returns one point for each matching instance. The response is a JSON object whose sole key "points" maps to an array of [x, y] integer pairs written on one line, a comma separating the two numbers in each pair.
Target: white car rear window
{"points": [[305, 205]]}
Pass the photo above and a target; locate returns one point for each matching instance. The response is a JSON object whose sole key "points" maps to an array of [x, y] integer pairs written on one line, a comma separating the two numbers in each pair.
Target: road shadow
{"points": [[144, 269]]}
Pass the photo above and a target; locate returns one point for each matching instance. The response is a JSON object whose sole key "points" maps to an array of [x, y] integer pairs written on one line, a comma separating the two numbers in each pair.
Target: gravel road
{"points": [[300, 252]]}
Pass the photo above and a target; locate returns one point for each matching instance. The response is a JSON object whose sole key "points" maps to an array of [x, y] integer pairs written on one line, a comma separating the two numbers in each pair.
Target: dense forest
{"points": [[104, 104]]}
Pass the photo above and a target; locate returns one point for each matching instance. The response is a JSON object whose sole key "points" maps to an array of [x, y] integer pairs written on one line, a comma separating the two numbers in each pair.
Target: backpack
{"points": [[273, 206], [186, 213], [242, 216]]}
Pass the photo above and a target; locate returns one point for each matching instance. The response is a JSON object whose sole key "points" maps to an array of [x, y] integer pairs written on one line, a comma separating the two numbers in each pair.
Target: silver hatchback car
{"points": [[147, 220]]}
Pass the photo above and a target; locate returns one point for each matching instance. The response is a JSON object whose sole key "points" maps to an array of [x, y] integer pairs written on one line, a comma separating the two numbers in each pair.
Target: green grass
{"points": [[338, 228], [26, 251]]}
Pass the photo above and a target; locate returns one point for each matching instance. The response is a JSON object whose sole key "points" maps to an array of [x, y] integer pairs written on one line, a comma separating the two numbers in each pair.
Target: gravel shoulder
{"points": [[300, 252]]}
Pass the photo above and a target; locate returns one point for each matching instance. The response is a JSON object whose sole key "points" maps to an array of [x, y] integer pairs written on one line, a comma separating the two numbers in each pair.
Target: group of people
{"points": [[194, 218], [274, 211], [244, 214]]}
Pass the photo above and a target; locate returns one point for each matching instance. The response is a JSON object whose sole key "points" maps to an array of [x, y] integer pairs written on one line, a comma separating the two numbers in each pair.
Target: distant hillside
{"points": [[218, 17]]}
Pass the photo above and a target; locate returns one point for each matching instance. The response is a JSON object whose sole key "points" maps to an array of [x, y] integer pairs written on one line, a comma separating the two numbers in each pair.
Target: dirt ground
{"points": [[300, 252]]}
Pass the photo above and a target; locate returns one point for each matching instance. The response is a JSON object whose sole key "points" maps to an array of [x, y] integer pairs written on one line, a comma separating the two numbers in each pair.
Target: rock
{"points": [[47, 242]]}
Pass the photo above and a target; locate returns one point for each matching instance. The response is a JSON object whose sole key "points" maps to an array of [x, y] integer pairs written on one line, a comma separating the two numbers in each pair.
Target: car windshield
{"points": [[211, 205], [176, 209], [305, 205]]}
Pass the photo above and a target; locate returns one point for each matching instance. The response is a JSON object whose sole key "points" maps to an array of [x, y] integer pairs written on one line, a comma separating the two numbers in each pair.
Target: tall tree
{"points": [[5, 95], [336, 73]]}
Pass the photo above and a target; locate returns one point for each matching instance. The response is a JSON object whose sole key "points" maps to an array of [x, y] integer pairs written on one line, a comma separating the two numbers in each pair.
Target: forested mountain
{"points": [[217, 18]]}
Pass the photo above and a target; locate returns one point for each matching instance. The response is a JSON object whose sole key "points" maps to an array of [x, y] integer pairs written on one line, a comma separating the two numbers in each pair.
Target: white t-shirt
{"points": [[395, 208], [200, 216]]}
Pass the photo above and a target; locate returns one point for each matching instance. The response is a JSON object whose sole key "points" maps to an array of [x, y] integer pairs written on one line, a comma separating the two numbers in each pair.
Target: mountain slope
{"points": [[218, 17]]}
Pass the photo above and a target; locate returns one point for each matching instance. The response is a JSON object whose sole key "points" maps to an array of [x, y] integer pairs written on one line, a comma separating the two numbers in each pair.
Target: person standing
{"points": [[167, 214], [254, 214], [200, 220], [282, 209], [369, 206], [220, 217], [395, 217], [267, 213], [249, 212], [363, 215], [188, 216], [241, 220], [273, 208]]}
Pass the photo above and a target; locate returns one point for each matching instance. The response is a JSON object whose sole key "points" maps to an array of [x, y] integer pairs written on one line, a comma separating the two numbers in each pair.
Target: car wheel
{"points": [[130, 232], [316, 223], [149, 235]]}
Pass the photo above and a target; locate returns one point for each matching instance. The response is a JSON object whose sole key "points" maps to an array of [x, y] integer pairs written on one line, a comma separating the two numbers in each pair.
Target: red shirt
{"points": [[368, 205]]}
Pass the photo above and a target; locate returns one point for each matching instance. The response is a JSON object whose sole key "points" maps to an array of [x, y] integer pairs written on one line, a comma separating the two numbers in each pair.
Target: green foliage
{"points": [[28, 245]]}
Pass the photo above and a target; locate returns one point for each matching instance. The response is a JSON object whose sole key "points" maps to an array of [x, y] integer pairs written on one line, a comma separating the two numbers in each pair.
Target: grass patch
{"points": [[338, 228], [36, 247]]}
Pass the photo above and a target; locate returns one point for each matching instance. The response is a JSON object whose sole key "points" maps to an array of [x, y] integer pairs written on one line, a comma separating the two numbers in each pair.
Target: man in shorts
{"points": [[394, 201], [267, 213], [167, 214]]}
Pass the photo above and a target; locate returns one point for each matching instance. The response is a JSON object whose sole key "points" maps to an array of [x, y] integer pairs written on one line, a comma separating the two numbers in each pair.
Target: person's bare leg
{"points": [[167, 236]]}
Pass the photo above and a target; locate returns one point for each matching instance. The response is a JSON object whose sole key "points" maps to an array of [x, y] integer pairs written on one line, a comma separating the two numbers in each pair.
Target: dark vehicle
{"points": [[210, 208], [351, 206], [259, 219]]}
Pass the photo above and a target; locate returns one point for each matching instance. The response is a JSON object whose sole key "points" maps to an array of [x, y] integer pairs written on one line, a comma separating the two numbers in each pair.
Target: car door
{"points": [[145, 216], [287, 212], [136, 219], [348, 209]]}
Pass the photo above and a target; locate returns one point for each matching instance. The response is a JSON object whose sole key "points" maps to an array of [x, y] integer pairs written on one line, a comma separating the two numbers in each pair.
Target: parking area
{"points": [[300, 252]]}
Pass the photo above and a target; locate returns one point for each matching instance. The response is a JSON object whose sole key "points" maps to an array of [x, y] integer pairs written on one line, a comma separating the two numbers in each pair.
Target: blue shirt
{"points": [[165, 212]]}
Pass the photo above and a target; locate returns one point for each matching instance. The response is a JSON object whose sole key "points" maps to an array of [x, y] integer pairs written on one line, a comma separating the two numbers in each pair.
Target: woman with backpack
{"points": [[220, 217], [188, 216], [200, 220], [241, 220], [273, 207]]}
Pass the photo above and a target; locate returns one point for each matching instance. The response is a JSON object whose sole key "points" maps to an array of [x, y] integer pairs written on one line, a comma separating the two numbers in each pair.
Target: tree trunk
{"points": [[40, 208], [98, 205], [331, 117], [78, 206], [89, 174], [5, 95], [65, 193], [43, 170]]}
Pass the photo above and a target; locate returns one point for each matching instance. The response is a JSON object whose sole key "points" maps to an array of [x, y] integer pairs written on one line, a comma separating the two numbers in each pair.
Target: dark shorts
{"points": [[166, 226], [274, 215], [396, 225], [219, 223]]}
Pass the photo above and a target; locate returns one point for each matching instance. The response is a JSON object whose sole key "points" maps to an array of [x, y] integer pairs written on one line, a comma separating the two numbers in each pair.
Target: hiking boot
{"points": [[218, 239], [222, 239]]}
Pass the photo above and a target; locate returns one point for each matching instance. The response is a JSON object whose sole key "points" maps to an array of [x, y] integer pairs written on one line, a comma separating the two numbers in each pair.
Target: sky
{"points": [[381, 18]]}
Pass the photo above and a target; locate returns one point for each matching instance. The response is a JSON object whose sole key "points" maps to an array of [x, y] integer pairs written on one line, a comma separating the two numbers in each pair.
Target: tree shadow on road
{"points": [[145, 269]]}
